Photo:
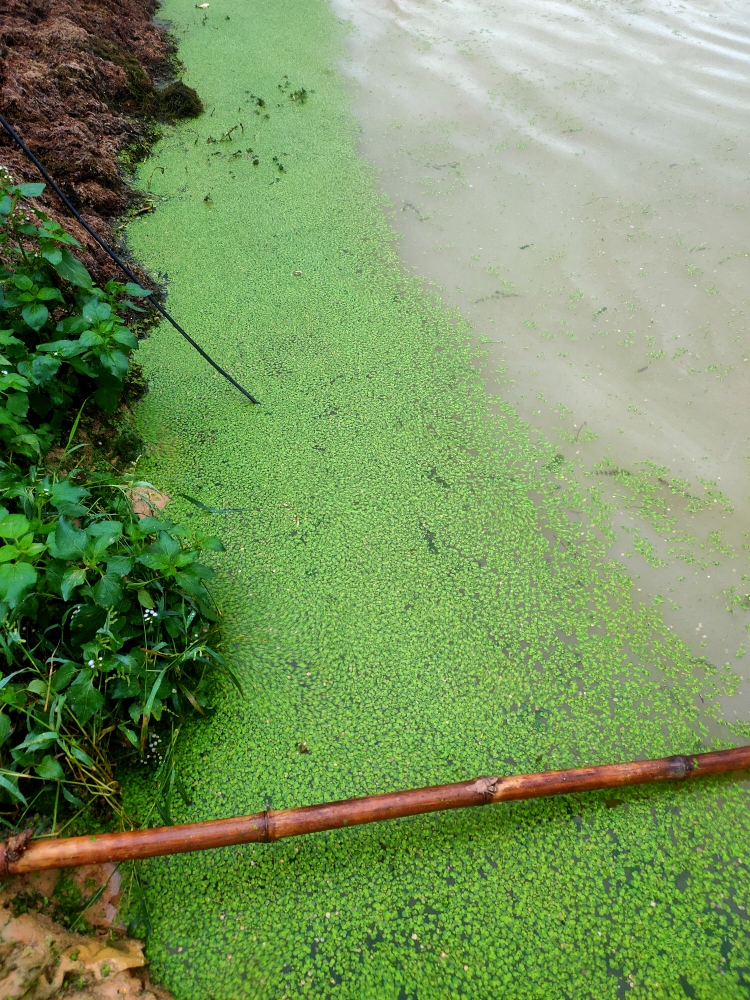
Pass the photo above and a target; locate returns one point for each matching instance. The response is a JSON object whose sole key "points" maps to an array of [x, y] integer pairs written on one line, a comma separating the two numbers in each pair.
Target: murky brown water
{"points": [[575, 178]]}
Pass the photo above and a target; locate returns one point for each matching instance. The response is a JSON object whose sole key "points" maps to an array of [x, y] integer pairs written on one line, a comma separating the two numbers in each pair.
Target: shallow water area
{"points": [[574, 177]]}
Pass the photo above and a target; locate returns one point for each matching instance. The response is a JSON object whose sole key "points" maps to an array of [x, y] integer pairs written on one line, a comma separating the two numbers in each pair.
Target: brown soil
{"points": [[40, 959], [82, 81]]}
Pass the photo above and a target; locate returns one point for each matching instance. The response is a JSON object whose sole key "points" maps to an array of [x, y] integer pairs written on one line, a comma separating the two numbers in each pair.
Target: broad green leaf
{"points": [[191, 585], [150, 525], [107, 398], [119, 566], [53, 230], [136, 290], [37, 686], [107, 592], [48, 294], [14, 526], [90, 339], [84, 700], [50, 769], [31, 440], [7, 420], [43, 368], [102, 534], [144, 599], [35, 315], [53, 255], [49, 235], [64, 348], [154, 562], [13, 381], [74, 577], [5, 727], [126, 338], [68, 542], [66, 496], [96, 311], [62, 677], [115, 362], [166, 544], [200, 570], [105, 527], [15, 580], [73, 270], [18, 404], [77, 364], [8, 552], [30, 190], [27, 545]]}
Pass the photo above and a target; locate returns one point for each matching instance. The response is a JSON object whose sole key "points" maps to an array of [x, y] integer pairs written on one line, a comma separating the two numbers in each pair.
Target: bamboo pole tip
{"points": [[13, 849]]}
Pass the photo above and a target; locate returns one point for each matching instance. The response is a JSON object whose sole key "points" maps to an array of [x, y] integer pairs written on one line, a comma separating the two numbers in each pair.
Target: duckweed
{"points": [[415, 591]]}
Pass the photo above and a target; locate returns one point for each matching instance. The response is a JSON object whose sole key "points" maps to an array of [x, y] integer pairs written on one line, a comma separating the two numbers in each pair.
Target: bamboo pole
{"points": [[20, 854]]}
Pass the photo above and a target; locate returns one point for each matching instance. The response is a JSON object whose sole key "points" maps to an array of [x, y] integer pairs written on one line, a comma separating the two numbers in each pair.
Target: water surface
{"points": [[574, 177], [417, 588]]}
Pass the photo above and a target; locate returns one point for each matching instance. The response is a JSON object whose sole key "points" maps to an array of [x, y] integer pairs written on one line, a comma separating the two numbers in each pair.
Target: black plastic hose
{"points": [[120, 263]]}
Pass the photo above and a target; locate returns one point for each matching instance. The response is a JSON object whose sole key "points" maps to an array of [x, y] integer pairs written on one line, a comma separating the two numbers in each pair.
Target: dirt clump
{"points": [[43, 958], [86, 86]]}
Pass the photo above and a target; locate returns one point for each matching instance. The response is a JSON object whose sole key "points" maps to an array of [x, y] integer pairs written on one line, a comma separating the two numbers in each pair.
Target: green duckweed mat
{"points": [[417, 592]]}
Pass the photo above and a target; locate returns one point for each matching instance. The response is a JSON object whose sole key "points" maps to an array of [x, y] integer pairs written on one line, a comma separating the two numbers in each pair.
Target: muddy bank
{"points": [[50, 947], [87, 87]]}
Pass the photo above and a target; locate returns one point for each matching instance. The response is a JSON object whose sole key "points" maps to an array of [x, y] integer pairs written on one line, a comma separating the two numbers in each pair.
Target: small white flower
{"points": [[92, 663]]}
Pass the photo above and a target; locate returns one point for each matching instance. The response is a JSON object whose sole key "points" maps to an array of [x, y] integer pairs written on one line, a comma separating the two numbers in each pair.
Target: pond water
{"points": [[417, 586], [574, 178]]}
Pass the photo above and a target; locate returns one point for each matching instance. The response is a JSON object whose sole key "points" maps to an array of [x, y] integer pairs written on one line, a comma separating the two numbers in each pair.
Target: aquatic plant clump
{"points": [[417, 593]]}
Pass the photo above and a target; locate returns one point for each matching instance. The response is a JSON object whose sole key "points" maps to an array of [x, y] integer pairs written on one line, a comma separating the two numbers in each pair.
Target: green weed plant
{"points": [[106, 626]]}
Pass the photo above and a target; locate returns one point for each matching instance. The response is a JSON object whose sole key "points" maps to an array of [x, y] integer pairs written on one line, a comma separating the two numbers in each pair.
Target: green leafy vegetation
{"points": [[106, 626]]}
